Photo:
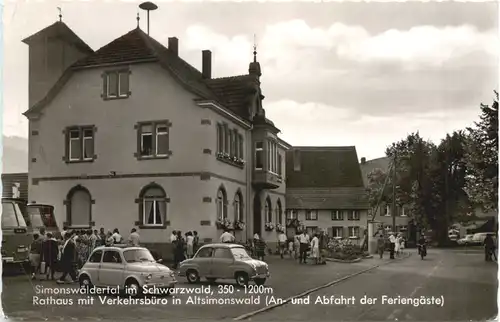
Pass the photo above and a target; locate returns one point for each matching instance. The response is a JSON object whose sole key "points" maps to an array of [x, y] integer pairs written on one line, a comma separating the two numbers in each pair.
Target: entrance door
{"points": [[257, 214]]}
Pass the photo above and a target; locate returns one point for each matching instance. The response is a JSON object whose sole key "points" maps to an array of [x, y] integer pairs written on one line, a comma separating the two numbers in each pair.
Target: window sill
{"points": [[341, 219], [153, 157], [79, 161], [228, 160], [311, 219], [113, 98], [152, 227], [354, 219]]}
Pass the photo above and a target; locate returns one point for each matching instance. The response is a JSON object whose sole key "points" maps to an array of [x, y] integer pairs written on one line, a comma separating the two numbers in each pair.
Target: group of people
{"points": [[396, 245], [69, 250], [184, 247]]}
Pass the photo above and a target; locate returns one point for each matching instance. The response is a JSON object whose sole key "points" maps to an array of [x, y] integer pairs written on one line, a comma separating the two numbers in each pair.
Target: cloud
{"points": [[318, 124]]}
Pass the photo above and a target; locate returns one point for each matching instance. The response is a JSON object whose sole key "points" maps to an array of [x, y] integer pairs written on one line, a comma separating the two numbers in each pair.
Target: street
{"points": [[466, 283]]}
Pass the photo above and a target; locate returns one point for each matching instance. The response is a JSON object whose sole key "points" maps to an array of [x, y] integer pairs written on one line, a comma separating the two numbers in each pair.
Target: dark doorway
{"points": [[257, 214]]}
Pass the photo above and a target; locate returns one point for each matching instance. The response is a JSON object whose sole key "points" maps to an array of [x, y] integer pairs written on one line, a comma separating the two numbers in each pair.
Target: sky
{"points": [[334, 73]]}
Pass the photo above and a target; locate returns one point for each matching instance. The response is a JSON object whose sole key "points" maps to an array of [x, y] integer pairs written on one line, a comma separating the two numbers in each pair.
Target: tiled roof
{"points": [[333, 198], [234, 92], [61, 30], [136, 46], [368, 166], [323, 167]]}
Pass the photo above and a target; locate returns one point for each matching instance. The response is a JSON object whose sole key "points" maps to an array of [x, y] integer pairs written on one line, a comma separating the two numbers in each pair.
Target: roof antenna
{"points": [[138, 18], [60, 13], [254, 48], [148, 6]]}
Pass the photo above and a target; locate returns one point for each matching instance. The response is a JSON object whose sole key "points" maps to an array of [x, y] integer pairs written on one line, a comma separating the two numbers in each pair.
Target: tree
{"points": [[413, 179], [482, 158]]}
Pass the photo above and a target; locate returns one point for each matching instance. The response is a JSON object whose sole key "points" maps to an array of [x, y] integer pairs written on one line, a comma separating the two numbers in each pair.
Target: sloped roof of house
{"points": [[368, 166], [136, 47], [323, 167], [329, 198], [61, 30]]}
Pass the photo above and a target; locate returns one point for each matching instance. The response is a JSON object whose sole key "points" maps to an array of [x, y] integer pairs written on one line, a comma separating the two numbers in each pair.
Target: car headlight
{"points": [[150, 276]]}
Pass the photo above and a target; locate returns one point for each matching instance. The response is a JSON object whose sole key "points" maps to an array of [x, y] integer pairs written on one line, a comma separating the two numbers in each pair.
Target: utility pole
{"points": [[394, 194]]}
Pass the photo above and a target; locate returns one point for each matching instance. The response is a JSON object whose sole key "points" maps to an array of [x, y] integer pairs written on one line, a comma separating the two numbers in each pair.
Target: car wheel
{"points": [[241, 279], [192, 276], [85, 282], [133, 288], [211, 280], [260, 281]]}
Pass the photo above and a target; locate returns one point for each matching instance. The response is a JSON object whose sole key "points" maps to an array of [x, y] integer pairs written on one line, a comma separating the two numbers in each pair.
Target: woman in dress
{"points": [[397, 245], [315, 248]]}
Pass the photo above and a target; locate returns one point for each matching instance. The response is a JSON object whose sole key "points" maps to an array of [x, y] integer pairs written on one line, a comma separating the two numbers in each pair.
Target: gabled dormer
{"points": [[52, 51]]}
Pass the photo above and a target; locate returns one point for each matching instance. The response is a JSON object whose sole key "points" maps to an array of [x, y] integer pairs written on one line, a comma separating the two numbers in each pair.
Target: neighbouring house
{"points": [[383, 213], [325, 190], [131, 135], [15, 185]]}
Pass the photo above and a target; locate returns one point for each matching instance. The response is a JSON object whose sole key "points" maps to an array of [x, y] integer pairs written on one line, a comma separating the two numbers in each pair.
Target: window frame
{"points": [[268, 211], [354, 228], [154, 140], [69, 197], [279, 212], [292, 214], [259, 151], [238, 207], [352, 216], [141, 202], [106, 86], [229, 145], [339, 215], [80, 129], [309, 215], [336, 229], [221, 204]]}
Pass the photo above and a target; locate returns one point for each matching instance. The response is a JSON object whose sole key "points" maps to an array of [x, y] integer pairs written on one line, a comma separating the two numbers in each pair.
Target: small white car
{"points": [[131, 268], [479, 238]]}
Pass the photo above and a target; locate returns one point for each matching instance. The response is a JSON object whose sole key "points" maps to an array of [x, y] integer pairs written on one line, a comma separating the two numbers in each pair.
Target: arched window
{"points": [[279, 213], [79, 207], [153, 205], [221, 204], [269, 210], [238, 207]]}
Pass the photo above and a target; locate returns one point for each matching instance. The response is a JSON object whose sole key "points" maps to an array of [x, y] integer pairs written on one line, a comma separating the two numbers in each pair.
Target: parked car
{"points": [[132, 268], [467, 240], [224, 261], [478, 238]]}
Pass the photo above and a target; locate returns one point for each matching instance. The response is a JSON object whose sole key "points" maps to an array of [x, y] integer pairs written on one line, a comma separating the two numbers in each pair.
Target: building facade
{"points": [[325, 191], [131, 135]]}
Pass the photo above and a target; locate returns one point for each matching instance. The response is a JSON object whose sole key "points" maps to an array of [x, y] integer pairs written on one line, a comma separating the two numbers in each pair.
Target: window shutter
{"points": [[104, 85]]}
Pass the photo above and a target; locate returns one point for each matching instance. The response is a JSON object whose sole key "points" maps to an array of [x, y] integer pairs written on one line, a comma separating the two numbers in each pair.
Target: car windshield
{"points": [[138, 255], [240, 253], [11, 215]]}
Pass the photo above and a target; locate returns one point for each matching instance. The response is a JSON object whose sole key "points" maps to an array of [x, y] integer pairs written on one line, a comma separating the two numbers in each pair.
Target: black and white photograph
{"points": [[253, 160]]}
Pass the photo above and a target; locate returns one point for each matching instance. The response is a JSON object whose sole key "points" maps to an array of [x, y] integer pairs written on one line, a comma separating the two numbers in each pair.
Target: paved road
{"points": [[288, 279], [467, 284]]}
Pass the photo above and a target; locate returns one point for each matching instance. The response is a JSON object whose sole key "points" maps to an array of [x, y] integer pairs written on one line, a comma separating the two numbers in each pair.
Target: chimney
{"points": [[173, 45], [363, 160], [206, 64]]}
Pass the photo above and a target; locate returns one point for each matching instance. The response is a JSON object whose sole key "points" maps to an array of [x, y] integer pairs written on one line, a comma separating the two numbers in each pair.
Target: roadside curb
{"points": [[357, 260], [312, 290]]}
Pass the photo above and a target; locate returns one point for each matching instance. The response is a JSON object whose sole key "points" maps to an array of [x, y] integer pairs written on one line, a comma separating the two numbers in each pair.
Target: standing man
{"points": [[226, 237], [68, 258], [489, 248], [133, 238], [392, 240], [323, 247], [282, 243], [381, 246], [304, 246]]}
